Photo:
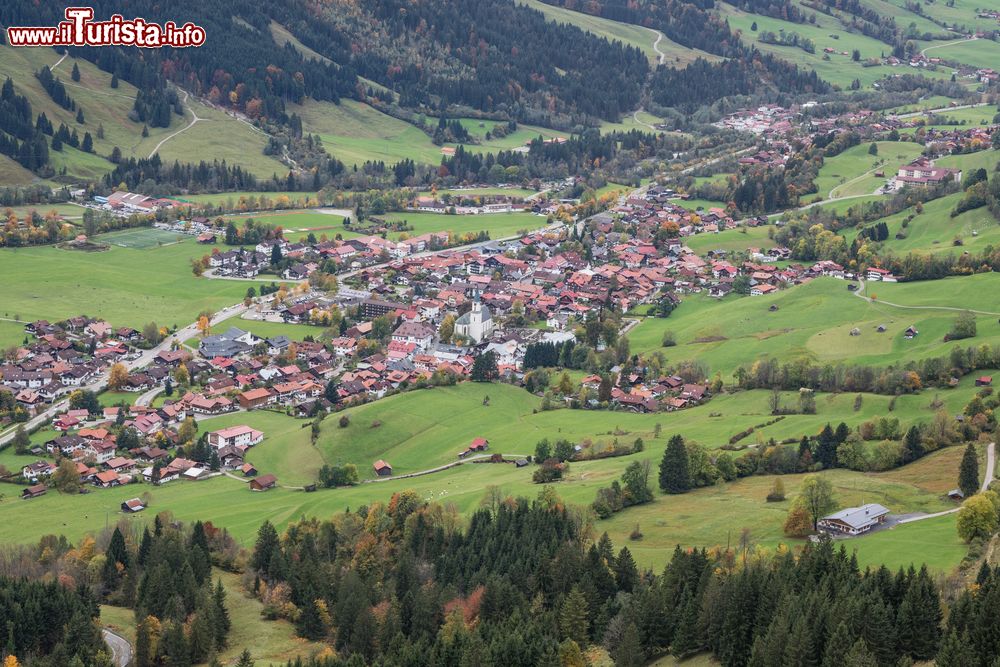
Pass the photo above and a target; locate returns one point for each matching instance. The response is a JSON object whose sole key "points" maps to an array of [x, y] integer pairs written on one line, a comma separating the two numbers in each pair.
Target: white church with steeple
{"points": [[477, 324]]}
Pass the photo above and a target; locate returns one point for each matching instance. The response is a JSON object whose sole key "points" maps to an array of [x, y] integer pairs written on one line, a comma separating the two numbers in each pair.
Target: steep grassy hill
{"points": [[107, 107]]}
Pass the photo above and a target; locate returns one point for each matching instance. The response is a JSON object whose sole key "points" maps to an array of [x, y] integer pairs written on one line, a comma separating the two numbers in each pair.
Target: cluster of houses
{"points": [[91, 444], [353, 253], [64, 356]]}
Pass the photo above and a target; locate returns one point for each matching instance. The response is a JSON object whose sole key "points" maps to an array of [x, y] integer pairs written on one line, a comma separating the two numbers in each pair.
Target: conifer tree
{"points": [[826, 449], [968, 474], [913, 447], [860, 656], [574, 617], [675, 476], [687, 638], [629, 652]]}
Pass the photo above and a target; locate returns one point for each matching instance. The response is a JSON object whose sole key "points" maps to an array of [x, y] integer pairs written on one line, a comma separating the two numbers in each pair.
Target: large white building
{"points": [[241, 436], [477, 324]]}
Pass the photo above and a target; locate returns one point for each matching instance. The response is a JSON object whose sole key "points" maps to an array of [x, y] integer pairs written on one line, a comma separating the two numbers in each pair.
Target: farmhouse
{"points": [[855, 520], [132, 506], [478, 445], [33, 492], [263, 483], [984, 381], [256, 398], [382, 469], [236, 436]]}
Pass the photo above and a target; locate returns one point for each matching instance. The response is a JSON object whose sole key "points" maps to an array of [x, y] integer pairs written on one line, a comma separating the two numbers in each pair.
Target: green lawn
{"points": [[127, 286], [731, 240], [814, 320], [499, 225], [934, 542], [296, 332], [252, 200], [852, 172], [837, 68], [934, 230], [977, 53], [632, 35], [295, 220], [229, 138]]}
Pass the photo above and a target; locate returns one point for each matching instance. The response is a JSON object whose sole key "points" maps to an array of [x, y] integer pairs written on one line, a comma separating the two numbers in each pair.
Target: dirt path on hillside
{"points": [[861, 288], [194, 119]]}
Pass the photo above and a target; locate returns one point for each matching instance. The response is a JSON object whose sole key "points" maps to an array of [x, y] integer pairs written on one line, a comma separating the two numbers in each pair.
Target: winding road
{"points": [[121, 649], [987, 478], [656, 46], [861, 288], [194, 119], [940, 46]]}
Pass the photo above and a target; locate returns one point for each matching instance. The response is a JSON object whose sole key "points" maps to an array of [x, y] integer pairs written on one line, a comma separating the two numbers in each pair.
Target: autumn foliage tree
{"points": [[117, 377]]}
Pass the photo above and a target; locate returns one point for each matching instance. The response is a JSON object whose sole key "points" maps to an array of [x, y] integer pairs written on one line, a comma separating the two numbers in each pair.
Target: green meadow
{"points": [[126, 286], [499, 225], [828, 32], [980, 53], [814, 321], [959, 13], [232, 140], [409, 440], [852, 172], [355, 133], [935, 231], [731, 240]]}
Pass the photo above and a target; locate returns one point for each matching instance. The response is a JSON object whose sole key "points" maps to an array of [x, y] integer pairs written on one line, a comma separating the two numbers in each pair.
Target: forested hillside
{"points": [[491, 56]]}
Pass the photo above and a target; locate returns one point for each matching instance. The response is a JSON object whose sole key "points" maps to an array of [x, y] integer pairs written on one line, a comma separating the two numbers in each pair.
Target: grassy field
{"points": [[838, 69], [11, 333], [296, 220], [814, 321], [11, 173], [632, 35], [230, 139], [473, 192], [235, 199], [978, 53], [499, 225], [934, 541], [730, 240], [68, 211], [127, 286], [355, 133], [853, 171], [968, 161], [285, 452], [296, 332], [935, 231], [959, 13]]}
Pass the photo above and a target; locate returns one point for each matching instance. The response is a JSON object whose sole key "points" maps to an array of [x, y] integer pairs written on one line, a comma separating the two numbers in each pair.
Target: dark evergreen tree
{"points": [[675, 476], [968, 473]]}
